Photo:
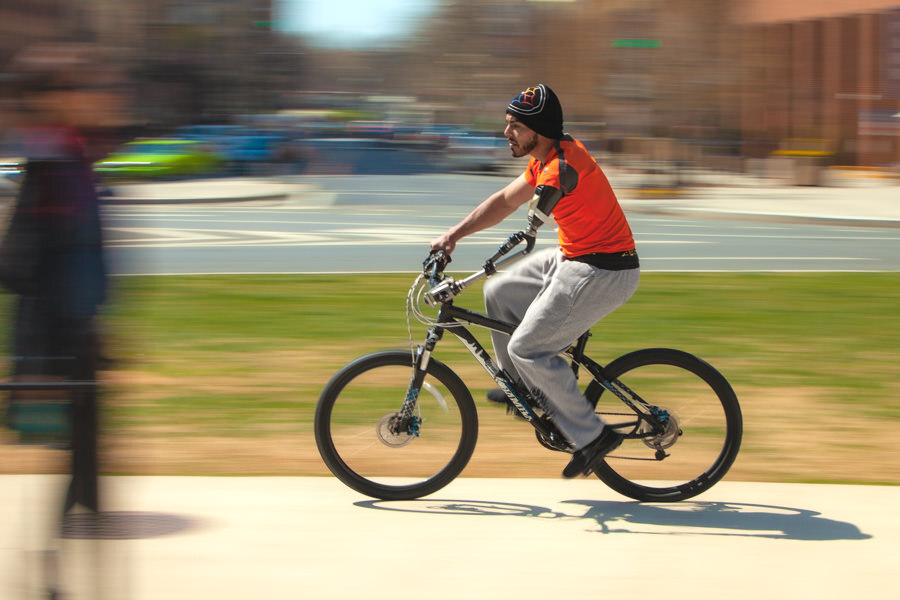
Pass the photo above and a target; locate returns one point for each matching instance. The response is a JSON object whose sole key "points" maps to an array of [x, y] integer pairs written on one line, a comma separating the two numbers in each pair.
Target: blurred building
{"points": [[22, 23], [666, 68], [738, 78], [191, 60], [823, 71], [204, 60], [735, 78], [621, 67]]}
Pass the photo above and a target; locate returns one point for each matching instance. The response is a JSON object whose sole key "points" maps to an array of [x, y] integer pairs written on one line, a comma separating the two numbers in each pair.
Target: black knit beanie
{"points": [[539, 109]]}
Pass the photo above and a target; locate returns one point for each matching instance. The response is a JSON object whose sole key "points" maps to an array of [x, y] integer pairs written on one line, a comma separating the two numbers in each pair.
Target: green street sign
{"points": [[635, 43]]}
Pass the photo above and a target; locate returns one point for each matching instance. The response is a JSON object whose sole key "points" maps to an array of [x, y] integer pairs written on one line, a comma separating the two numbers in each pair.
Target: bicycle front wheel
{"points": [[702, 436], [354, 437]]}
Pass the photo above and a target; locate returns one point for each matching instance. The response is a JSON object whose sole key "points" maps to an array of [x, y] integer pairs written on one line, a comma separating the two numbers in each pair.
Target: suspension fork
{"points": [[405, 420]]}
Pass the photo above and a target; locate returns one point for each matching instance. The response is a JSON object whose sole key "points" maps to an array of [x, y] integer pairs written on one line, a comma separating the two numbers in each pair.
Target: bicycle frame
{"points": [[453, 319]]}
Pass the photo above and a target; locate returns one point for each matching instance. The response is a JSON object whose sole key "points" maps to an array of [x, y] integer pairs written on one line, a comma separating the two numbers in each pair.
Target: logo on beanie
{"points": [[538, 108], [529, 101]]}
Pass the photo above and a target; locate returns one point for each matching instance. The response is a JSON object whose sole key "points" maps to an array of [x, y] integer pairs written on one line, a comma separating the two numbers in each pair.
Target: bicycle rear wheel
{"points": [[701, 440], [355, 441]]}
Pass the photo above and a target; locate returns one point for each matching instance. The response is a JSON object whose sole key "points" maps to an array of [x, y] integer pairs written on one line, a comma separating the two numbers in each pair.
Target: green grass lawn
{"points": [[813, 357], [836, 331]]}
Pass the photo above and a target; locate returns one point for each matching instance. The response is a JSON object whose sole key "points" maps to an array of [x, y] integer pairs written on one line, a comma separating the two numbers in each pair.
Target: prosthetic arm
{"points": [[541, 205]]}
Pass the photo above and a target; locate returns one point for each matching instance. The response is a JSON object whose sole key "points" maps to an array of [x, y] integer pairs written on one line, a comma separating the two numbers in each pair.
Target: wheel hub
{"points": [[390, 434], [664, 439]]}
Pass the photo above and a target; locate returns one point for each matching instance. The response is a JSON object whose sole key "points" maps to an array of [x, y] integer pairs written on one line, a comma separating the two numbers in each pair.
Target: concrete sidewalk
{"points": [[226, 538], [231, 189], [852, 199], [866, 206]]}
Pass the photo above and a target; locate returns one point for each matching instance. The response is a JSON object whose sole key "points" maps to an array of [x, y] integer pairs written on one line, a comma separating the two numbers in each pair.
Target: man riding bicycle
{"points": [[557, 294]]}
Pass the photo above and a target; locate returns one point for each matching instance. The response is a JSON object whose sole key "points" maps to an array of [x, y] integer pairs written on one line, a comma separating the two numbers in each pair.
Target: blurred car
{"points": [[473, 151], [243, 149], [10, 175], [159, 158], [371, 129]]}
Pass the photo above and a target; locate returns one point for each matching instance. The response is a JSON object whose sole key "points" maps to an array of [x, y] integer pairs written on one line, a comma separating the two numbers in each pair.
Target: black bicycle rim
{"points": [[708, 414], [333, 415]]}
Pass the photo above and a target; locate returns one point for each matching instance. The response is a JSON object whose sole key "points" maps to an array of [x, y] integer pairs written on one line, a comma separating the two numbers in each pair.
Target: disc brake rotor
{"points": [[665, 439], [402, 438], [389, 438]]}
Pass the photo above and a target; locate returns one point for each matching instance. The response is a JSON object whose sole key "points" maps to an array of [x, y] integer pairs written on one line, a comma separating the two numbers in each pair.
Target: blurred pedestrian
{"points": [[52, 256]]}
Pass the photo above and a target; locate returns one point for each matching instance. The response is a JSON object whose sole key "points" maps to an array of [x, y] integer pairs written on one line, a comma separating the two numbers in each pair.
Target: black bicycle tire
{"points": [[730, 405], [340, 469]]}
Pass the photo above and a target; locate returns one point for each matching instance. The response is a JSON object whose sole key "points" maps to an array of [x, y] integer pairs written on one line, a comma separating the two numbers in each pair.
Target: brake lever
{"points": [[436, 262]]}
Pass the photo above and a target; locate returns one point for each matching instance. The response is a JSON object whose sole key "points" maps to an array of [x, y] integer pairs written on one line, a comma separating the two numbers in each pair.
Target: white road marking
{"points": [[163, 237], [187, 238]]}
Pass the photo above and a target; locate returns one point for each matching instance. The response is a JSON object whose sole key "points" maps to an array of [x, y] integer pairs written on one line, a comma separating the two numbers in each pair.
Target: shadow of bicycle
{"points": [[683, 518]]}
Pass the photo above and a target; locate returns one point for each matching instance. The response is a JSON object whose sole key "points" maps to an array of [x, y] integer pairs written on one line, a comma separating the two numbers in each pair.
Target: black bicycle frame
{"points": [[452, 318]]}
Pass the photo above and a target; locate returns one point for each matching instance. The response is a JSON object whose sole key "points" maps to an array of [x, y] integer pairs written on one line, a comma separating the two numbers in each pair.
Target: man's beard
{"points": [[526, 148]]}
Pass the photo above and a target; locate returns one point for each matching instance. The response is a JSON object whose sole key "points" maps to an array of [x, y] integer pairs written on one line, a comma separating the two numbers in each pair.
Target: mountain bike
{"points": [[400, 424]]}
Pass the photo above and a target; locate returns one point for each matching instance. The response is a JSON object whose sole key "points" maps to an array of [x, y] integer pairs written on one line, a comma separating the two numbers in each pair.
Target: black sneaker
{"points": [[584, 460], [497, 396]]}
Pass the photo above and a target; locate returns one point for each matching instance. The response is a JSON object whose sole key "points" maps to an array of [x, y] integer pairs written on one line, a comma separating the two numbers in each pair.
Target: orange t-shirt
{"points": [[589, 217]]}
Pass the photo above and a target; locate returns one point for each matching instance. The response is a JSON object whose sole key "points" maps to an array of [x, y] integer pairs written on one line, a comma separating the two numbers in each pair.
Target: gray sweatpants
{"points": [[554, 301]]}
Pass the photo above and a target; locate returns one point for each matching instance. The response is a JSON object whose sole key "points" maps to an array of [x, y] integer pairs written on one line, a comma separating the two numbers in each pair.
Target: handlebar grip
{"points": [[435, 263]]}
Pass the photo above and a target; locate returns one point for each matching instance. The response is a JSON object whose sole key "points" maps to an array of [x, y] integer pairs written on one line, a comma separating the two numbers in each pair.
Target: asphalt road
{"points": [[379, 224]]}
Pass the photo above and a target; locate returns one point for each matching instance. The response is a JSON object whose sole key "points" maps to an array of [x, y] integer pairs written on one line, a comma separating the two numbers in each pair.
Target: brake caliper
{"points": [[414, 424]]}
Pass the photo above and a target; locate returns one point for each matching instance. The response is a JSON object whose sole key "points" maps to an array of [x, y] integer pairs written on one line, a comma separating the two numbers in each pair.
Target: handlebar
{"points": [[445, 289]]}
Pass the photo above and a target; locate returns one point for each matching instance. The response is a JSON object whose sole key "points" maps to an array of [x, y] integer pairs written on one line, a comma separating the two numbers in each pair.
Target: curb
{"points": [[202, 191], [208, 200]]}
